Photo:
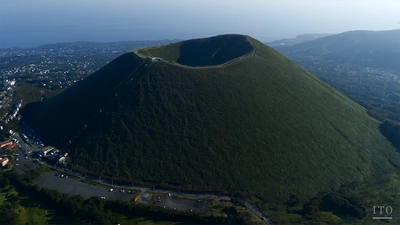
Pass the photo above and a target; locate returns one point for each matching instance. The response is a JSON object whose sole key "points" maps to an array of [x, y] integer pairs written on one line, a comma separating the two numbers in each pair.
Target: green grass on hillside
{"points": [[261, 124], [32, 215], [27, 214]]}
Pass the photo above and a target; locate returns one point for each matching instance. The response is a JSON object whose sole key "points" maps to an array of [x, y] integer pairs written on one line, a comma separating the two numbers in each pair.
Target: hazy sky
{"points": [[267, 20]]}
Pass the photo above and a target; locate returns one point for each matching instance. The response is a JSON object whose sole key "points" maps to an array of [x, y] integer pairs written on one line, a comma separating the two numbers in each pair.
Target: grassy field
{"points": [[4, 192], [260, 124], [28, 212], [29, 215]]}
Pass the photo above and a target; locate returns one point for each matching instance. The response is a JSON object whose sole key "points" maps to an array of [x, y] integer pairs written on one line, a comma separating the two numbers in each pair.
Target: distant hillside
{"points": [[375, 49], [249, 120], [364, 65], [297, 40]]}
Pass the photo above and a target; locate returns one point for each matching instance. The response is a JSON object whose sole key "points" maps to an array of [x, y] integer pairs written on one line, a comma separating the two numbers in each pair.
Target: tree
{"points": [[8, 216], [4, 182]]}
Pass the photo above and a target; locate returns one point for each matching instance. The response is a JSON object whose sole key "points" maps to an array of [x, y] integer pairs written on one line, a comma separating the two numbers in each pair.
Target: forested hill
{"points": [[374, 49], [201, 118], [296, 40]]}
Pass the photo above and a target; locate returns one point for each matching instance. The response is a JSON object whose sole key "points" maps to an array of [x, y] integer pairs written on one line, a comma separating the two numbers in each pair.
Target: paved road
{"points": [[24, 164], [142, 189], [258, 213]]}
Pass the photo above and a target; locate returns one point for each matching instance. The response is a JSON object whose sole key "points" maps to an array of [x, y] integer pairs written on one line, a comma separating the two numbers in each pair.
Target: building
{"points": [[59, 159], [6, 143], [45, 151], [156, 59], [8, 83], [4, 161]]}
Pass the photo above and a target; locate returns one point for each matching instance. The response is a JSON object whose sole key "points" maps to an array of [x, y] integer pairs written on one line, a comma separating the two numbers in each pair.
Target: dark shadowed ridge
{"points": [[203, 52], [225, 112], [217, 50]]}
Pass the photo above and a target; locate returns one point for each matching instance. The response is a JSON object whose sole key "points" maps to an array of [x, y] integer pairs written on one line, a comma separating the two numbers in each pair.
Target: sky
{"points": [[26, 23]]}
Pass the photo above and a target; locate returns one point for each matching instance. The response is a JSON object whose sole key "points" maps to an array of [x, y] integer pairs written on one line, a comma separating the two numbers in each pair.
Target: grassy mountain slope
{"points": [[375, 49], [89, 96], [260, 123]]}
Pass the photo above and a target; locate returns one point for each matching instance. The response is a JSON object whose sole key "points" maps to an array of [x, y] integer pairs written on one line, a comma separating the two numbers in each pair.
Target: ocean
{"points": [[25, 37], [26, 23]]}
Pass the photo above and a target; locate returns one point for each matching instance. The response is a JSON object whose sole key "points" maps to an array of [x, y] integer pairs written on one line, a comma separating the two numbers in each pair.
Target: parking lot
{"points": [[145, 197], [182, 204], [73, 186], [24, 162]]}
